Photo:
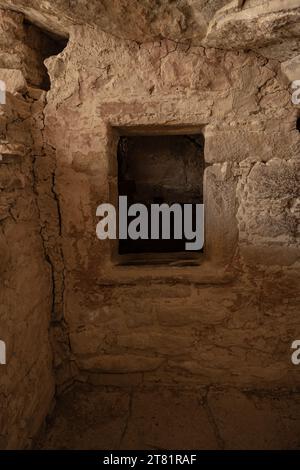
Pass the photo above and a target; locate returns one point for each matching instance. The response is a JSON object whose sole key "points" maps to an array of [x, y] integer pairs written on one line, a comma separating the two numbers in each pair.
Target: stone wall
{"points": [[230, 320], [26, 293]]}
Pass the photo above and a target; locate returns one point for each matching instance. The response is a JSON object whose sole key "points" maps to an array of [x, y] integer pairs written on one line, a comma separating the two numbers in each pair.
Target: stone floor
{"points": [[108, 418]]}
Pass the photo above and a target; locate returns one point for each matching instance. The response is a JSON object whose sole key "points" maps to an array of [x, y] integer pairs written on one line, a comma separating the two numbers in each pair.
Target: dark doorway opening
{"points": [[41, 44], [160, 169]]}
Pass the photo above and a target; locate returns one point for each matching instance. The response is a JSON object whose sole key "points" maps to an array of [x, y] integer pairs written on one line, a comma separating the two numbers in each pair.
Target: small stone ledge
{"points": [[11, 153], [207, 273]]}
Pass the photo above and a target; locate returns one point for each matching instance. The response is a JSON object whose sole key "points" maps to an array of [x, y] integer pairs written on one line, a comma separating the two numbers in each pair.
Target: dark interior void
{"points": [[42, 45], [160, 169], [298, 124]]}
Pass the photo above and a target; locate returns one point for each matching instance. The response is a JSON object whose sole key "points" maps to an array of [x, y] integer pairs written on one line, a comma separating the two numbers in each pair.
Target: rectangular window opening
{"points": [[160, 169]]}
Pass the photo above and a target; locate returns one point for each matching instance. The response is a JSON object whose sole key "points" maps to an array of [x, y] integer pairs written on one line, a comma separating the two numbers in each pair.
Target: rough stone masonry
{"points": [[79, 75]]}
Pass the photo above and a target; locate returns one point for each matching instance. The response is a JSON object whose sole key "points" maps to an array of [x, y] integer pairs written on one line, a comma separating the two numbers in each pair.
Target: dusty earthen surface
{"points": [[166, 418], [69, 311]]}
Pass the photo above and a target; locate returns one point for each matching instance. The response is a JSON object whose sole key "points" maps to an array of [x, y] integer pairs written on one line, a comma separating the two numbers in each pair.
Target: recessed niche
{"points": [[160, 169]]}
